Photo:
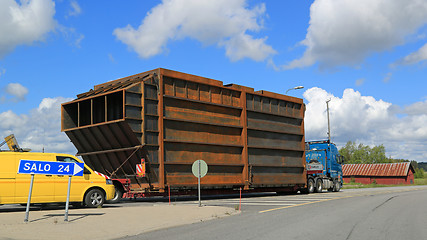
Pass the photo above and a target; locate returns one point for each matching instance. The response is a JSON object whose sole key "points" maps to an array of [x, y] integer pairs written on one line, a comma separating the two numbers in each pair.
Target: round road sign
{"points": [[199, 164]]}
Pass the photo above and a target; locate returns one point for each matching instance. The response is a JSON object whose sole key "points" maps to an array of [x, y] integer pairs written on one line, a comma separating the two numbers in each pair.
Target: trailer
{"points": [[146, 130]]}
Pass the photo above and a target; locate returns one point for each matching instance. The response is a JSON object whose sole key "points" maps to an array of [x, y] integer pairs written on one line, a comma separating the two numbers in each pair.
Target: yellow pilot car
{"points": [[90, 189]]}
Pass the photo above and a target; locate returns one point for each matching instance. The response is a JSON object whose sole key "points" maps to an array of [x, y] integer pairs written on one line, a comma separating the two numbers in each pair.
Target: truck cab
{"points": [[323, 165]]}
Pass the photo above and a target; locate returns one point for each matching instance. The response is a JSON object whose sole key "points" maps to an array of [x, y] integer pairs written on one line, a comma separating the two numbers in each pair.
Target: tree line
{"points": [[359, 153]]}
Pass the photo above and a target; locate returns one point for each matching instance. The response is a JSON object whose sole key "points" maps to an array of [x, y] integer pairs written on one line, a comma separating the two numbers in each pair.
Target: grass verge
{"points": [[418, 181], [421, 181], [372, 185]]}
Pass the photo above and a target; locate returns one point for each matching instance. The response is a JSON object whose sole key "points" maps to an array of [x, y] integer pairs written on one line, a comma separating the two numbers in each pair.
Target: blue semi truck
{"points": [[323, 165]]}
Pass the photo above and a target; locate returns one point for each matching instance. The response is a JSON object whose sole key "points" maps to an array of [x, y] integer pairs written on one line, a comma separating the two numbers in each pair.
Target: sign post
{"points": [[67, 204], [199, 169], [49, 168], [27, 211]]}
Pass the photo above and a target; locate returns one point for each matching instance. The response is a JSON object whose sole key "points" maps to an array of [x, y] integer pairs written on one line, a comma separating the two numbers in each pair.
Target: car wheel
{"points": [[94, 198], [117, 196]]}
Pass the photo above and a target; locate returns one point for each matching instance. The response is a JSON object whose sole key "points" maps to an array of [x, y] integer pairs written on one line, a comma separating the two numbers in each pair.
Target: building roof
{"points": [[380, 169]]}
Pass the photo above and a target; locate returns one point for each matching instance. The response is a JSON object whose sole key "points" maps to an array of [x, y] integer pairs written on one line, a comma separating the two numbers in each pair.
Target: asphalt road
{"points": [[382, 213]]}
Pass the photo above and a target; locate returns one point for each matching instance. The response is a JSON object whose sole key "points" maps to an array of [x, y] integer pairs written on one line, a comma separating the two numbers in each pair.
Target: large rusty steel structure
{"points": [[249, 139]]}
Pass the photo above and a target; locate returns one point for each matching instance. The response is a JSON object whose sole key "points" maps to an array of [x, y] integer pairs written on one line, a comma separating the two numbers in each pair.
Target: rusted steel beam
{"points": [[109, 151], [125, 161], [160, 109], [245, 156]]}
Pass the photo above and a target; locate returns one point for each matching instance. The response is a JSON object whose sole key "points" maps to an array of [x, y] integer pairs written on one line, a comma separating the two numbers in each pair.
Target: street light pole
{"points": [[294, 88], [329, 133], [329, 125]]}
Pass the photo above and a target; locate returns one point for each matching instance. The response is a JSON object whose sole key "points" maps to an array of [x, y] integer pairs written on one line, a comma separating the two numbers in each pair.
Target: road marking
{"points": [[261, 204], [270, 201], [311, 199], [288, 201], [347, 196], [301, 204]]}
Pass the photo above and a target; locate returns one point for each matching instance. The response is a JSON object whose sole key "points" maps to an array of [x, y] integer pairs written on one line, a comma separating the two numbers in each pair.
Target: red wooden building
{"points": [[382, 173]]}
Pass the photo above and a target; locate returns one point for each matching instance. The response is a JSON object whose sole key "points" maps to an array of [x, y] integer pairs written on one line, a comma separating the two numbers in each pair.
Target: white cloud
{"points": [[416, 108], [24, 23], [369, 121], [2, 71], [75, 9], [78, 40], [222, 22], [71, 35], [17, 91], [39, 129], [360, 81], [387, 78], [415, 57], [345, 32], [110, 56]]}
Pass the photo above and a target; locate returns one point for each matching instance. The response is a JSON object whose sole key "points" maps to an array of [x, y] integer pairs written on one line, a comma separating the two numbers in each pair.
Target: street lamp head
{"points": [[294, 88]]}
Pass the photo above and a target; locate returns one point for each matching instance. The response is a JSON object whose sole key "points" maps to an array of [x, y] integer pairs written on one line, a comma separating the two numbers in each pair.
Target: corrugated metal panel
{"points": [[381, 169], [104, 147]]}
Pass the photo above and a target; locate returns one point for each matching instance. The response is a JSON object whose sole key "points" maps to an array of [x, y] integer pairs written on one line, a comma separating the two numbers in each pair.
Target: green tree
{"points": [[363, 154], [419, 173], [347, 151]]}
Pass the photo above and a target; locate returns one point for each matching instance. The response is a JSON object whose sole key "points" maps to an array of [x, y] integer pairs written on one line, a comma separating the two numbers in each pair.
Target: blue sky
{"points": [[367, 56]]}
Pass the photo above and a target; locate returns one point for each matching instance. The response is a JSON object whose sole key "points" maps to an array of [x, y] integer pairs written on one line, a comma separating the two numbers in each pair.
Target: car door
{"points": [[78, 183], [7, 178]]}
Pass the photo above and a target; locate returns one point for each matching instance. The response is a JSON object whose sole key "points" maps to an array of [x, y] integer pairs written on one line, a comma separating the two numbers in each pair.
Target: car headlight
{"points": [[109, 182]]}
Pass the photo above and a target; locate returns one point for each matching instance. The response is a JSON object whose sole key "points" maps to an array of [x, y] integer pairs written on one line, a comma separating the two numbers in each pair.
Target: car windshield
{"points": [[66, 159]]}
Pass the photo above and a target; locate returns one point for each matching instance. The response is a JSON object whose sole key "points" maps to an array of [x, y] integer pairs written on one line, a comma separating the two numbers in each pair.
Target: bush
{"points": [[419, 173]]}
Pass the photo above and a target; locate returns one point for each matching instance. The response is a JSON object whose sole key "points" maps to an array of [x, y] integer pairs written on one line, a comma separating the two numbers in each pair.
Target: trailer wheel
{"points": [[94, 198], [319, 186], [310, 185], [117, 196], [337, 186]]}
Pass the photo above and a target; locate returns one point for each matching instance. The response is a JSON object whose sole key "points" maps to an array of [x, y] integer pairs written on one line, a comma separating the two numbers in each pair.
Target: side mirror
{"points": [[86, 171], [340, 159]]}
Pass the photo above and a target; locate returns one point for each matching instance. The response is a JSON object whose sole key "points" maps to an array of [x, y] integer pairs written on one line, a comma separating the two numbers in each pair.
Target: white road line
{"points": [[292, 201], [262, 204], [307, 199]]}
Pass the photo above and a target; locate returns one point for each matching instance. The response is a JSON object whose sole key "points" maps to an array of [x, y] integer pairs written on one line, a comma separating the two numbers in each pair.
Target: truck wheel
{"points": [[94, 198], [337, 186], [117, 196], [310, 185], [319, 186]]}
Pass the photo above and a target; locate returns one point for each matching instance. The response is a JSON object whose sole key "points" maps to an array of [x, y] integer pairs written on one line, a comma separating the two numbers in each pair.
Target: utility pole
{"points": [[329, 125], [329, 131]]}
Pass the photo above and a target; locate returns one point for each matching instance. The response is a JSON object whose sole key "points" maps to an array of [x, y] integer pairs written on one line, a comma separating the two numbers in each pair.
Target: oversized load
{"points": [[165, 120]]}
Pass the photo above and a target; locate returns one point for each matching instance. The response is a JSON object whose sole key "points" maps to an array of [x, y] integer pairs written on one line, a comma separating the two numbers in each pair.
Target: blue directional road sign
{"points": [[50, 168]]}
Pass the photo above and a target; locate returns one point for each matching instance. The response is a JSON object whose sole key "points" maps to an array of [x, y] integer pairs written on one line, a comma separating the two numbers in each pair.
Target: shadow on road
{"points": [[80, 216], [44, 207]]}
